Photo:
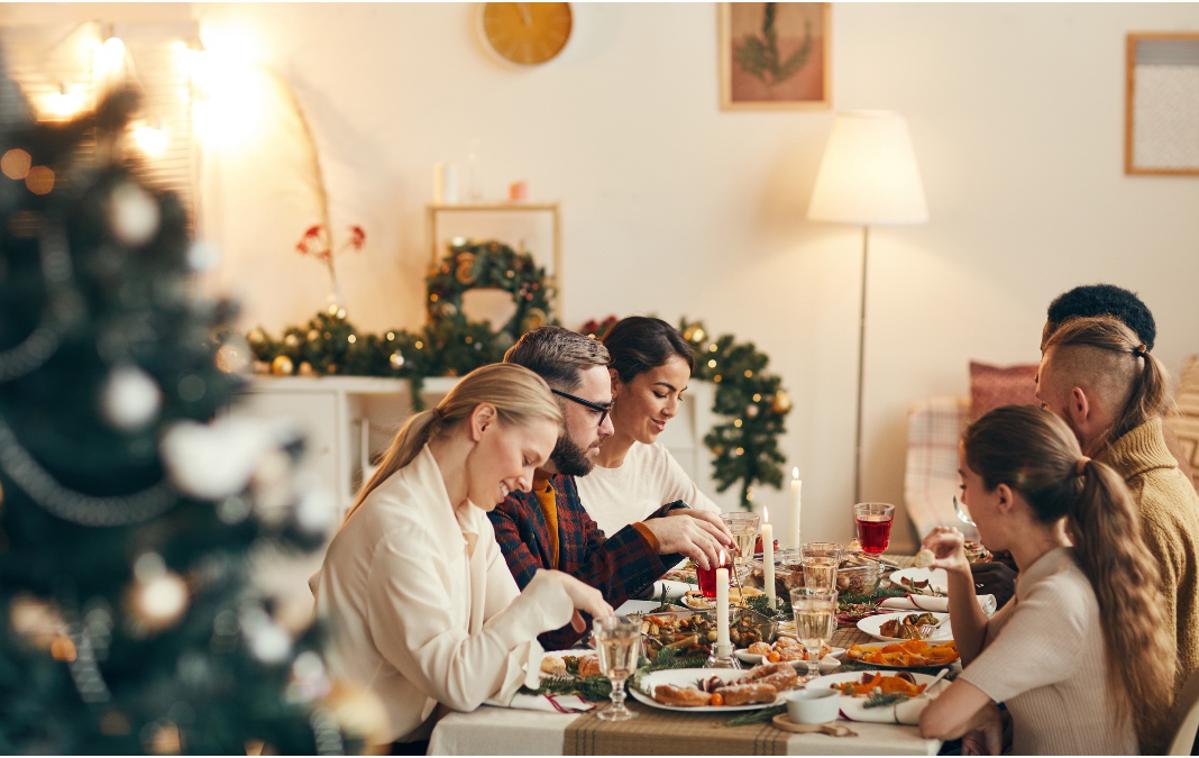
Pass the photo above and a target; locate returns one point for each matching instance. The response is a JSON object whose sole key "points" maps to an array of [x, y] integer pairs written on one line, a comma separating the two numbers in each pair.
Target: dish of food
{"points": [[906, 626], [570, 663], [784, 649], [922, 581], [685, 632], [716, 690], [976, 552], [865, 684], [906, 654], [695, 600]]}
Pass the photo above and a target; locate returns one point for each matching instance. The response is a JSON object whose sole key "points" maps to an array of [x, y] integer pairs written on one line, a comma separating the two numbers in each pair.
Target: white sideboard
{"points": [[349, 421]]}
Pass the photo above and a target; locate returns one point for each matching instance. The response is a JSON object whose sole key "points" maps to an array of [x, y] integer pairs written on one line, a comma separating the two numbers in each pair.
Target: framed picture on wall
{"points": [[774, 56], [1161, 106]]}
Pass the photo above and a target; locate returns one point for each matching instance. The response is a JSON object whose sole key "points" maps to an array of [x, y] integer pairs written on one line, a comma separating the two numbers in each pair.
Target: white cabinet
{"points": [[349, 421]]}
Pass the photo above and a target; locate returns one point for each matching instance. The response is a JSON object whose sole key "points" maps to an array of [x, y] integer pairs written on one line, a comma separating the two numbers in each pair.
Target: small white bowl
{"points": [[813, 706]]}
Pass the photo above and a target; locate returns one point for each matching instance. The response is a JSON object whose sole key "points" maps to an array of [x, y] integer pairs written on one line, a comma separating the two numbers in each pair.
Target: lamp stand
{"points": [[857, 444]]}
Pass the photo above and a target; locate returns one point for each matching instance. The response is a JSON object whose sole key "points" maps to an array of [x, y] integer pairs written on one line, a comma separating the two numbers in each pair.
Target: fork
{"points": [[928, 630]]}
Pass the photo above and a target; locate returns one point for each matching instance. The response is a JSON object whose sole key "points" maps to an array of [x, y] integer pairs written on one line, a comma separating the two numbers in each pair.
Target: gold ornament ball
{"points": [[306, 369], [282, 366], [313, 334], [257, 337], [396, 360], [782, 402], [292, 339]]}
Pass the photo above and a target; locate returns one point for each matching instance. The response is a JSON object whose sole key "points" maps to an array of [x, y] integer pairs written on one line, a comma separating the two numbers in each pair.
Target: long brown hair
{"points": [[518, 395], [1034, 453], [1148, 396]]}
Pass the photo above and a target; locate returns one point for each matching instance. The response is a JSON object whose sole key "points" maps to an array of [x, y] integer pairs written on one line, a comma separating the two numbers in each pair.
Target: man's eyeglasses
{"points": [[603, 409]]}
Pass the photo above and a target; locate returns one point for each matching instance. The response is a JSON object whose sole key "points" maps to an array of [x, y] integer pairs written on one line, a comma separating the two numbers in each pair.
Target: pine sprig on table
{"points": [[594, 689], [882, 593], [761, 604]]}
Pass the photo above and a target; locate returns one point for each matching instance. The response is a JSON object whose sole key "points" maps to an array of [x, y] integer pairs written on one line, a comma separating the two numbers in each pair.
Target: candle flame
{"points": [[724, 557], [795, 473], [765, 515]]}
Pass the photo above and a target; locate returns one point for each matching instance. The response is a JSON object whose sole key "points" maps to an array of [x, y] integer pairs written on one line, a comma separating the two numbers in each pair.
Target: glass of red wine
{"points": [[873, 521], [707, 577]]}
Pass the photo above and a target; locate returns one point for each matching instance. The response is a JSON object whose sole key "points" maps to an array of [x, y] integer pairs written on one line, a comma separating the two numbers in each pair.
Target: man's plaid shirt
{"points": [[621, 566]]}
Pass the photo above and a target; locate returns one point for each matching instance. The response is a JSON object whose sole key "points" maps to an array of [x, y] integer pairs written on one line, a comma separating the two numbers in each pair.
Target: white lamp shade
{"points": [[868, 175]]}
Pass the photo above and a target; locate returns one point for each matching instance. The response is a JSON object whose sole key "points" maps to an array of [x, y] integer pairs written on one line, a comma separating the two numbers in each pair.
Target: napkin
{"points": [[933, 604], [549, 703]]}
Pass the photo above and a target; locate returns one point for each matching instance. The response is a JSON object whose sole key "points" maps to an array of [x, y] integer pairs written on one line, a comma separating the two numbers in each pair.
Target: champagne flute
{"points": [[814, 611], [618, 642]]}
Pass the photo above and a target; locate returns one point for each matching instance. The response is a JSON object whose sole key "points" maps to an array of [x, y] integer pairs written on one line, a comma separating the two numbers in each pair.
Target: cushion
{"points": [[1185, 425], [995, 386]]}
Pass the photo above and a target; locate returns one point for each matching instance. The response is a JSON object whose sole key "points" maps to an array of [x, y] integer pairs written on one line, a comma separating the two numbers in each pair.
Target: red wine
{"points": [[874, 532], [707, 579]]}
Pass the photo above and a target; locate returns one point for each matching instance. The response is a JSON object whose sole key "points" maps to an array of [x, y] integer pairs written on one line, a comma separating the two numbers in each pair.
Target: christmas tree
{"points": [[133, 503]]}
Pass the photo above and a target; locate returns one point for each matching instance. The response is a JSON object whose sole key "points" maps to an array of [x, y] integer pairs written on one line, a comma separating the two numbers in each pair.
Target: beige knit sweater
{"points": [[1169, 509]]}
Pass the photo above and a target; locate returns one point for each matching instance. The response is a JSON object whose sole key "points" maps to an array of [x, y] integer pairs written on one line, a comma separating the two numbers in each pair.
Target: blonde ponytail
{"points": [[518, 395]]}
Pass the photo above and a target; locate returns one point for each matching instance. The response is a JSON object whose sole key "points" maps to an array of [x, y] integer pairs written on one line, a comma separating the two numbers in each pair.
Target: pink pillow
{"points": [[993, 386]]}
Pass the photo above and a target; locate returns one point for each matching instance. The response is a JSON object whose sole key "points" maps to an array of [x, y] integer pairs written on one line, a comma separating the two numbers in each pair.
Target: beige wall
{"points": [[671, 206]]}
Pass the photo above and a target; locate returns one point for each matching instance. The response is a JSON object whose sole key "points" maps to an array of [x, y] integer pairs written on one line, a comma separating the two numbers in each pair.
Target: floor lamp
{"points": [[868, 177]]}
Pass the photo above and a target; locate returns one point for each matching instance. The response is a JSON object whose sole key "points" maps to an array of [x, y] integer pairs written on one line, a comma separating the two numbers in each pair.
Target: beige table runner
{"points": [[656, 732]]}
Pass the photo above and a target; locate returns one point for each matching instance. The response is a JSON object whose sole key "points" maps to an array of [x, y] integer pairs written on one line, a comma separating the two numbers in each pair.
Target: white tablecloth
{"points": [[505, 731]]}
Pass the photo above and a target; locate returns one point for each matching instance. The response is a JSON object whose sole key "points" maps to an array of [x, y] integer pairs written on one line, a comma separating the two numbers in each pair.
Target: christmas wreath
{"points": [[489, 265]]}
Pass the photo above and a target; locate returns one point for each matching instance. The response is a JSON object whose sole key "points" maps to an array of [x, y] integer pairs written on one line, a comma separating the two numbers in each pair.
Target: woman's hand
{"points": [[583, 597], [947, 546]]}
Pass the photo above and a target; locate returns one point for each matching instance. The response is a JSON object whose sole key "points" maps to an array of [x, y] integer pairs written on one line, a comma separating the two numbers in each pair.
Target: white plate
{"points": [[937, 579], [827, 665], [852, 707], [689, 678], [700, 603], [872, 624]]}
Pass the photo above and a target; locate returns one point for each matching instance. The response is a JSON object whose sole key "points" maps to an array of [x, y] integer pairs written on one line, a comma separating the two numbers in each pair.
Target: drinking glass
{"points": [[815, 612], [820, 561], [744, 527], [873, 521], [707, 576], [618, 642]]}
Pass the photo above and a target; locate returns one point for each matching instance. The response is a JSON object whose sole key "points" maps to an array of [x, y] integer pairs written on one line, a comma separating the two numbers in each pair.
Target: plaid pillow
{"points": [[1185, 425], [995, 386]]}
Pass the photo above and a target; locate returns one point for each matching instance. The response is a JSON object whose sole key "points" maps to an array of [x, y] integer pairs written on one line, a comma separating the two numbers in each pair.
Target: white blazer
{"points": [[422, 608]]}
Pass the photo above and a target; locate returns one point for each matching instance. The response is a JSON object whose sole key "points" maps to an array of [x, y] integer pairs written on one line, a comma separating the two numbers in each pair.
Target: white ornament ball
{"points": [[133, 215], [316, 512], [202, 257], [159, 602], [130, 398], [269, 643], [214, 461]]}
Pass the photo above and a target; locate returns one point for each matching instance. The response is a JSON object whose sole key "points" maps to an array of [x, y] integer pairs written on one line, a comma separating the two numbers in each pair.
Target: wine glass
{"points": [[618, 642], [820, 561], [744, 527], [814, 612]]}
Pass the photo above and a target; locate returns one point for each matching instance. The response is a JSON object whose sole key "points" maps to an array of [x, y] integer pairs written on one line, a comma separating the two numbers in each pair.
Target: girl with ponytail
{"points": [[1082, 657], [421, 605]]}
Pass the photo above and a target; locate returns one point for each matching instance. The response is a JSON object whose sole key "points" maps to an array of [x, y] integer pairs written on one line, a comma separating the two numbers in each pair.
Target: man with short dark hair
{"points": [[549, 528], [1101, 300]]}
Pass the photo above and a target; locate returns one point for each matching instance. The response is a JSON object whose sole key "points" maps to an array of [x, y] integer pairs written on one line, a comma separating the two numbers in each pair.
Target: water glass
{"points": [[618, 643], [820, 562], [873, 521], [815, 612]]}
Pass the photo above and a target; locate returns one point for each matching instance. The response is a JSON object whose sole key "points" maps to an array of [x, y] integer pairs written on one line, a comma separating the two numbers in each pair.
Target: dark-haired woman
{"points": [[635, 475], [1081, 657]]}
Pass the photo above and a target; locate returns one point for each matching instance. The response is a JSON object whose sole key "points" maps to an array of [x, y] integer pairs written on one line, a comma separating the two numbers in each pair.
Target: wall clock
{"points": [[527, 33]]}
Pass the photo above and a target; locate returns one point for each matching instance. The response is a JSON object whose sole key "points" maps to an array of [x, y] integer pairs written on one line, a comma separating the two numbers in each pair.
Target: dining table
{"points": [[494, 730]]}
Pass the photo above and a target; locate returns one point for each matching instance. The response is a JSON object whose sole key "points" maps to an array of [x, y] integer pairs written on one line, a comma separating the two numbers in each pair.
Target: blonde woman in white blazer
{"points": [[422, 607]]}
